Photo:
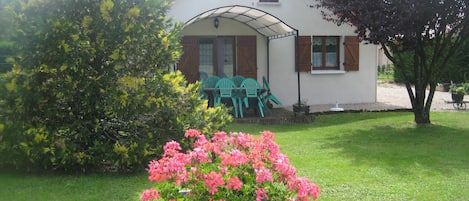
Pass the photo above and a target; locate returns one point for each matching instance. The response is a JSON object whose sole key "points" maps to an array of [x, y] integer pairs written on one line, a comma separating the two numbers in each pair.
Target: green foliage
{"points": [[6, 34], [351, 156], [459, 88], [420, 49], [405, 60], [87, 89], [6, 20], [457, 68]]}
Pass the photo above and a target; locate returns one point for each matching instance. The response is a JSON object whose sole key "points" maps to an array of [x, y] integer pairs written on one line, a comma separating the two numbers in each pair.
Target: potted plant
{"points": [[458, 91], [301, 108]]}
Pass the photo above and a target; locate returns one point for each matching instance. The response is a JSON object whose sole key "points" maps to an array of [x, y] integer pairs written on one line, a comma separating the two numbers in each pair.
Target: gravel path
{"points": [[392, 97], [393, 94]]}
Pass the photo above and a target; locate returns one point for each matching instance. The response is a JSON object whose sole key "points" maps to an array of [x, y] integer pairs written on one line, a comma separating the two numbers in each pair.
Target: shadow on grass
{"points": [[402, 151]]}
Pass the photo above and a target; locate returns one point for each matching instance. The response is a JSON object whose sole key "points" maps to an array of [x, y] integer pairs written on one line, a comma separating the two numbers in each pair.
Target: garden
{"points": [[89, 111], [350, 156]]}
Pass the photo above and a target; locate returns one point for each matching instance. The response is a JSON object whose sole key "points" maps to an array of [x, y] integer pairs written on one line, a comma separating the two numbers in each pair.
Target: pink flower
{"points": [[219, 136], [261, 194], [240, 140], [234, 159], [177, 163], [150, 194], [181, 178], [272, 147], [199, 155], [267, 135], [228, 160], [171, 148], [201, 141], [262, 175], [192, 133], [234, 183], [304, 188], [213, 180], [156, 170], [223, 170], [239, 157], [282, 165]]}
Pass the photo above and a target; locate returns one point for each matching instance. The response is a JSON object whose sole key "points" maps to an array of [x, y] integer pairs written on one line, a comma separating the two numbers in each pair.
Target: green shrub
{"points": [[136, 120], [457, 68], [87, 90]]}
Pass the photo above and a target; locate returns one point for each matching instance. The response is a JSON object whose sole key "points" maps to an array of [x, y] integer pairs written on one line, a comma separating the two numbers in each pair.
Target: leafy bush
{"points": [[6, 51], [136, 121], [462, 88], [88, 92], [457, 69], [234, 167]]}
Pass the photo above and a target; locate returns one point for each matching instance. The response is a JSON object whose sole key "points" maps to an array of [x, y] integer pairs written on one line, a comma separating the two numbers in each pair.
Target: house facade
{"points": [[303, 56]]}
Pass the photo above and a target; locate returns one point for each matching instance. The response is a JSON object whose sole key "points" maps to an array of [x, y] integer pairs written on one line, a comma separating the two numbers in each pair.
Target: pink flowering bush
{"points": [[237, 166]]}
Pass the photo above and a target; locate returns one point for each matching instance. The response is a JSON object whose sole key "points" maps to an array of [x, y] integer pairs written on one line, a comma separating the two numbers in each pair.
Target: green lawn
{"points": [[386, 77], [351, 156]]}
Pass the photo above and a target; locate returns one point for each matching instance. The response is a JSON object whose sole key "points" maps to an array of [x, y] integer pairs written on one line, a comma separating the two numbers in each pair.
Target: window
{"points": [[216, 56], [206, 61], [325, 52]]}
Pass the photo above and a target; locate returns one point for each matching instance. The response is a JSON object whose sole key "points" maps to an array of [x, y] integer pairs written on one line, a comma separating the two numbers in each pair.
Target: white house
{"points": [[275, 39]]}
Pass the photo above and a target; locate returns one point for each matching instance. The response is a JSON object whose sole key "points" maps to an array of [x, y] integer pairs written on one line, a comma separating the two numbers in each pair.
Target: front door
{"points": [[216, 57]]}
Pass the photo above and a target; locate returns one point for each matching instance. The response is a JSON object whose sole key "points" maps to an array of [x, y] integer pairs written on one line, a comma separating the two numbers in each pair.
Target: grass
{"points": [[386, 77], [380, 156], [56, 187], [351, 156]]}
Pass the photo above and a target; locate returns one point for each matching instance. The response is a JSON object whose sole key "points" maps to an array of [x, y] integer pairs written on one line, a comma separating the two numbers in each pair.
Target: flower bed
{"points": [[237, 166]]}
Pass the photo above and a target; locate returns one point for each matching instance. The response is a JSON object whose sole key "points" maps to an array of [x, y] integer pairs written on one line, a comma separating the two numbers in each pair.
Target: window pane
{"points": [[317, 52], [331, 44], [317, 59], [331, 51], [206, 57], [331, 59], [228, 57]]}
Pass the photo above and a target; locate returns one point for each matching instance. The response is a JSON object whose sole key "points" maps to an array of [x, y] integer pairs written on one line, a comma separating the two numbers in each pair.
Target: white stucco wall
{"points": [[323, 87]]}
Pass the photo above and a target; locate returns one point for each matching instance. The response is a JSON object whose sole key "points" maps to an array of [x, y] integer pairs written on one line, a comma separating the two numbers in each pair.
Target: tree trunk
{"points": [[421, 103], [421, 115]]}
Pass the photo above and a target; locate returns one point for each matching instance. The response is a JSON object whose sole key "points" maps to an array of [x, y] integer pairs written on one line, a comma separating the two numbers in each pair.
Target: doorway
{"points": [[223, 56], [216, 57]]}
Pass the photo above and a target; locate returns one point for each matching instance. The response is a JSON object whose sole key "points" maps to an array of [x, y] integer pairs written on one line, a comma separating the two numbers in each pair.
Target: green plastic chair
{"points": [[210, 82], [225, 89], [268, 96], [238, 79], [250, 89]]}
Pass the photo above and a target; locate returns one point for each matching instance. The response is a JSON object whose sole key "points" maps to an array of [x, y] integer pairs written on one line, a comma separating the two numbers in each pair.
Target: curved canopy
{"points": [[262, 22]]}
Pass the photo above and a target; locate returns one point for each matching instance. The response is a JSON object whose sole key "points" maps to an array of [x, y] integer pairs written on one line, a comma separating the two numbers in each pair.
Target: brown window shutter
{"points": [[352, 53], [189, 63], [303, 51], [246, 58]]}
